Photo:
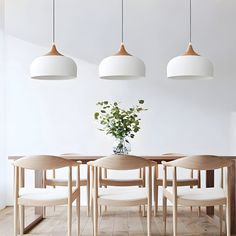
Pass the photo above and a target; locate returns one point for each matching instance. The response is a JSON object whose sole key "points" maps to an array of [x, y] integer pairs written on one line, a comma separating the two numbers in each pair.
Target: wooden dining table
{"points": [[210, 178]]}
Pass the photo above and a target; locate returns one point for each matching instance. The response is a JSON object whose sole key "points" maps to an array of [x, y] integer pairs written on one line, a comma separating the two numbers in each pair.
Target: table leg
{"points": [[88, 190], [210, 177], [22, 185], [233, 197], [38, 210], [38, 184]]}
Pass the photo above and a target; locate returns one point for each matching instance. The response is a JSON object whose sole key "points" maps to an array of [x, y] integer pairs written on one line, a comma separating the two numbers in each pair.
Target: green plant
{"points": [[118, 122]]}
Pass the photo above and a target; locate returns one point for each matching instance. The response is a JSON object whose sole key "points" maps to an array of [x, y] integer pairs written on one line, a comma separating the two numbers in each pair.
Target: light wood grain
{"points": [[48, 163], [117, 196], [158, 159], [200, 162], [42, 196], [199, 197], [117, 222]]}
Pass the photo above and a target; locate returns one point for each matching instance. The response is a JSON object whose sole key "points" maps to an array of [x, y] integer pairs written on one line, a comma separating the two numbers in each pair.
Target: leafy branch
{"points": [[119, 122]]}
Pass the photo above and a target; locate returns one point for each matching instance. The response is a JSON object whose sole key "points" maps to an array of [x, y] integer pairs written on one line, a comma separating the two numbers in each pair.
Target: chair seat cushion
{"points": [[44, 196], [123, 196], [195, 196]]}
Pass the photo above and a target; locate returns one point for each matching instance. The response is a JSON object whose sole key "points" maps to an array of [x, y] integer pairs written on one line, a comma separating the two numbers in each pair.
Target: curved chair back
{"points": [[44, 162], [200, 162], [121, 162]]}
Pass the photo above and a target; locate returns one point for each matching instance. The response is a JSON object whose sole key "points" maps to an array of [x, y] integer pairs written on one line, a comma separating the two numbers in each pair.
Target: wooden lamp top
{"points": [[53, 51], [190, 51], [122, 51]]}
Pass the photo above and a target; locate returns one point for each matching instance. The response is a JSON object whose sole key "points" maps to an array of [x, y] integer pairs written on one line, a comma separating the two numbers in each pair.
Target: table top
{"points": [[84, 159]]}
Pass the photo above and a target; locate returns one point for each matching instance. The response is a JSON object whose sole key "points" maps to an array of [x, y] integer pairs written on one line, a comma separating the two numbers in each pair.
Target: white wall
{"points": [[2, 127], [57, 117], [3, 161]]}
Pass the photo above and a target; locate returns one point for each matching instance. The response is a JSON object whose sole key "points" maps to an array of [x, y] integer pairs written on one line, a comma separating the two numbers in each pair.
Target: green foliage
{"points": [[119, 122]]}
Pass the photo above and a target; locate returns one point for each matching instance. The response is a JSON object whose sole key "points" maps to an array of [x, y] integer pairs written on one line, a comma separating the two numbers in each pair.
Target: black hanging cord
{"points": [[53, 22], [190, 21], [122, 21]]}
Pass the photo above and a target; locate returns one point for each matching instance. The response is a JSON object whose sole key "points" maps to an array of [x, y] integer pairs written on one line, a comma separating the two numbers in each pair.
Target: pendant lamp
{"points": [[190, 65], [122, 65], [53, 65]]}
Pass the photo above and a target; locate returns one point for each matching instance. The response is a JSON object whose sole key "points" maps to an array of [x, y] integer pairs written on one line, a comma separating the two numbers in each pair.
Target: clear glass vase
{"points": [[121, 146]]}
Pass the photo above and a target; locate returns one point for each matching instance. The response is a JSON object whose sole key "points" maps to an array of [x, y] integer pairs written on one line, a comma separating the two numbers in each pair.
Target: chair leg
{"points": [[164, 213], [92, 211], [105, 175], [174, 218], [69, 218], [91, 203], [88, 201], [156, 188], [144, 211], [224, 220], [149, 214], [78, 214], [21, 218], [221, 218], [199, 211], [105, 208], [88, 191], [16, 219], [140, 176], [100, 210], [95, 219], [228, 219], [44, 212]]}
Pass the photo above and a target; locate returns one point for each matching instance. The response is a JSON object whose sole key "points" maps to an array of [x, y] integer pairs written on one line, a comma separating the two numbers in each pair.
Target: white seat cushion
{"points": [[43, 196], [214, 195], [123, 196]]}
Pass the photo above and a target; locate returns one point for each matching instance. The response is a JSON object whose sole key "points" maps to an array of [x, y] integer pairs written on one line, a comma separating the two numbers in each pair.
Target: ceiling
{"points": [[155, 29]]}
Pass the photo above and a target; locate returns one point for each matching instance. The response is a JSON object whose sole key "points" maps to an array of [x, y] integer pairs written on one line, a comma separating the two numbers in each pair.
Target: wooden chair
{"points": [[118, 196], [105, 181], [200, 196], [45, 196], [193, 180], [54, 181]]}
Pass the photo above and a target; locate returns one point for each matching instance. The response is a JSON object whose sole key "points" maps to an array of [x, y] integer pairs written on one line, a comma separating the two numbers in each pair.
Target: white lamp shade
{"points": [[190, 67], [53, 67], [121, 67]]}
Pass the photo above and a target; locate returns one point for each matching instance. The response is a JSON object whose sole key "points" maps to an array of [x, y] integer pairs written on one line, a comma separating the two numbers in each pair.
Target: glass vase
{"points": [[121, 146]]}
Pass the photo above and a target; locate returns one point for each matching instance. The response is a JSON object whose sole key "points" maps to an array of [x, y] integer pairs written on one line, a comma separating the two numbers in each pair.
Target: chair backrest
{"points": [[122, 162], [191, 171], [43, 162], [53, 181], [200, 162]]}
